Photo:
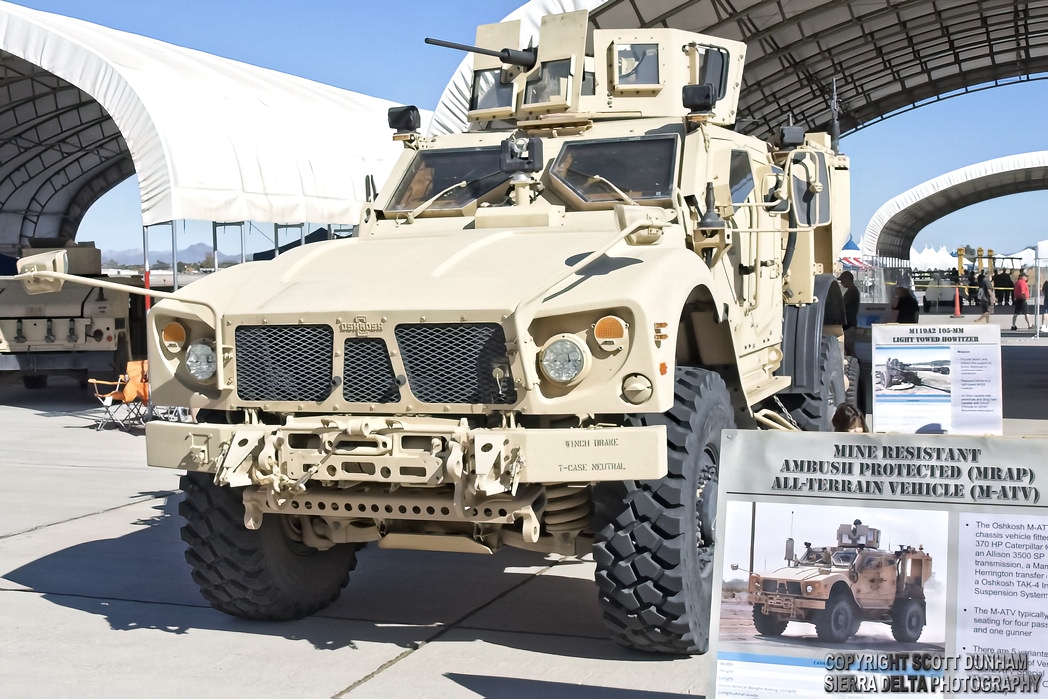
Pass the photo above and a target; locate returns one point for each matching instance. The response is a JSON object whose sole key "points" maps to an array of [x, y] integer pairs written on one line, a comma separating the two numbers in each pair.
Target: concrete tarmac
{"points": [[98, 601]]}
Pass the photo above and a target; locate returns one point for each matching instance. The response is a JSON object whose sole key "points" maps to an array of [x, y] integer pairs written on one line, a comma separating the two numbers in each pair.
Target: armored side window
{"points": [[437, 172], [636, 64], [553, 81], [740, 176], [611, 171], [489, 92]]}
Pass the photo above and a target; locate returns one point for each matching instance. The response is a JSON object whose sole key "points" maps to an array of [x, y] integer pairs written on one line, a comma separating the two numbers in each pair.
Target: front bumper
{"points": [[419, 451], [796, 607]]}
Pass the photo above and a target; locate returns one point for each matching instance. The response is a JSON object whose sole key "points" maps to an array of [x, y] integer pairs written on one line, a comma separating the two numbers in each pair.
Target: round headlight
{"points": [[564, 359], [200, 360]]}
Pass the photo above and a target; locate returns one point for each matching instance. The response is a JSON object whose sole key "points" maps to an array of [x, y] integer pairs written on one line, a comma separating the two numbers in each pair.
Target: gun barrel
{"points": [[463, 47], [514, 57]]}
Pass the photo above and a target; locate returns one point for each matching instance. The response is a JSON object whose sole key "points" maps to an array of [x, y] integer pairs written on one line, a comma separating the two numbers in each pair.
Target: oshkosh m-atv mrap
{"points": [[535, 341], [839, 587]]}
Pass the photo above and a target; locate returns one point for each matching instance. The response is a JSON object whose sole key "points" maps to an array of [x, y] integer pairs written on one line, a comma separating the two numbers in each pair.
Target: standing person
{"points": [[973, 288], [1044, 297], [906, 306], [851, 311], [998, 287], [982, 292], [1021, 294], [1009, 287]]}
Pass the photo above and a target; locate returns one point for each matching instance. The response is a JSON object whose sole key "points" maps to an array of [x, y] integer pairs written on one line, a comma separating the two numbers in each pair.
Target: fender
{"points": [[657, 284], [802, 329]]}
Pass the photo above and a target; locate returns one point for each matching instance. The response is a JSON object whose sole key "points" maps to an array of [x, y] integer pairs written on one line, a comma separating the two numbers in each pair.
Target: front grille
{"points": [[366, 372], [284, 362], [456, 363]]}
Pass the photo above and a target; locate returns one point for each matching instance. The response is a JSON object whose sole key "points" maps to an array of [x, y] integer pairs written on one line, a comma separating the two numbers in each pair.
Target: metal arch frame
{"points": [[56, 169], [896, 224], [923, 50]]}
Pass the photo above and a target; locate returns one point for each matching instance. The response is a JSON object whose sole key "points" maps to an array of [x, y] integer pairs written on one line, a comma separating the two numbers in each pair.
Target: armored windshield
{"points": [[602, 171], [434, 172]]}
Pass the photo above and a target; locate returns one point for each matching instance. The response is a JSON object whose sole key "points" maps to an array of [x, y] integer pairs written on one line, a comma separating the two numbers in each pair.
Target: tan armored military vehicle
{"points": [[535, 341], [75, 331], [839, 587]]}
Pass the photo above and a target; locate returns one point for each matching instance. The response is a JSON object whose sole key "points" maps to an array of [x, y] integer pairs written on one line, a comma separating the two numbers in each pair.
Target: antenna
{"points": [[835, 124]]}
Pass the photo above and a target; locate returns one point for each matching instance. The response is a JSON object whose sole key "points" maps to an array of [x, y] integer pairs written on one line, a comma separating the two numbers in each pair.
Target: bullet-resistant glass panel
{"points": [[643, 168], [637, 64], [810, 188], [740, 176], [489, 92], [552, 82], [435, 171]]}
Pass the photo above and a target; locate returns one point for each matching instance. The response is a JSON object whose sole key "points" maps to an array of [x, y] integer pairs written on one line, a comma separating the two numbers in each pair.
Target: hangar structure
{"points": [[885, 56], [84, 107], [894, 226]]}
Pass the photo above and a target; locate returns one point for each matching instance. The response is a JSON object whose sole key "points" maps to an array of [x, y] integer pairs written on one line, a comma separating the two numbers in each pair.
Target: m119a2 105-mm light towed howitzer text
{"points": [[535, 340]]}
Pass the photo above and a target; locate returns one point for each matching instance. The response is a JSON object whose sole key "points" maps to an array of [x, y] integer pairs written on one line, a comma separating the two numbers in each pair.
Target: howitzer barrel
{"points": [[514, 57]]}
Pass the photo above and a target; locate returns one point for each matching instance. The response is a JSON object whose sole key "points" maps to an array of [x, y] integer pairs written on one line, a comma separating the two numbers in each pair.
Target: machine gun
{"points": [[525, 58]]}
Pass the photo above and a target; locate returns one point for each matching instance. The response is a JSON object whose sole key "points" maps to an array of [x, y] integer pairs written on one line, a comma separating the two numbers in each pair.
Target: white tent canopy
{"points": [[932, 259], [84, 107]]}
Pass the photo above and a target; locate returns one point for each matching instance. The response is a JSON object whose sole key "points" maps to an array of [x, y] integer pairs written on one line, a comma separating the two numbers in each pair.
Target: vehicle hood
{"points": [[459, 271], [801, 573]]}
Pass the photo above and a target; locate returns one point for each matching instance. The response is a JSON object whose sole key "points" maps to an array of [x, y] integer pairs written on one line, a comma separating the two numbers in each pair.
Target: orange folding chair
{"points": [[126, 400]]}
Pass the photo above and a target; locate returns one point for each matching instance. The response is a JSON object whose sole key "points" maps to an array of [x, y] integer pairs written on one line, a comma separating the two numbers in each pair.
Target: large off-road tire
{"points": [[34, 381], [814, 411], [255, 573], [654, 539], [837, 622], [851, 380], [908, 619], [767, 624]]}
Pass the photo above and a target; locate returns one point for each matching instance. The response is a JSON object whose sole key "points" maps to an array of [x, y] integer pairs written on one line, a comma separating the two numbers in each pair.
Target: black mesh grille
{"points": [[284, 362], [367, 374], [456, 363]]}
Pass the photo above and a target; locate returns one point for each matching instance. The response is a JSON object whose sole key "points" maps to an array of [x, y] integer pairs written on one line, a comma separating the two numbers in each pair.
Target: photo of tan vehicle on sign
{"points": [[856, 588]]}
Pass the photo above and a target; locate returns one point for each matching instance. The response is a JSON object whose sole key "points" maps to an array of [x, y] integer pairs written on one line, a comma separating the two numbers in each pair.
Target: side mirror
{"points": [[50, 261], [775, 200], [789, 549]]}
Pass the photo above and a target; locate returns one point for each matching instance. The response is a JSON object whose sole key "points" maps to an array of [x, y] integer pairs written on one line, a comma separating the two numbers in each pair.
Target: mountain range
{"points": [[192, 254]]}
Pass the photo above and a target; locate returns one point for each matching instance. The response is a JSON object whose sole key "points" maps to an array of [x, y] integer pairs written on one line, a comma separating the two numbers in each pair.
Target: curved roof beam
{"points": [[893, 228], [887, 57]]}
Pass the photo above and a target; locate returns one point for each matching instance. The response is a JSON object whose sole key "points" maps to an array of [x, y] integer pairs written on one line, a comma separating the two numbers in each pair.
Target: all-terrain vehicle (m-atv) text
{"points": [[536, 339], [839, 587]]}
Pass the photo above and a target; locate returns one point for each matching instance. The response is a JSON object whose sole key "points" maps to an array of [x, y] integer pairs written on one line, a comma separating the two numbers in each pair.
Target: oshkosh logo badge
{"points": [[360, 326]]}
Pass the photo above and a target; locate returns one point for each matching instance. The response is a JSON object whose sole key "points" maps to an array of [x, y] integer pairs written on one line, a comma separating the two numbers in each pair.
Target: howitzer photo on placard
{"points": [[860, 577]]}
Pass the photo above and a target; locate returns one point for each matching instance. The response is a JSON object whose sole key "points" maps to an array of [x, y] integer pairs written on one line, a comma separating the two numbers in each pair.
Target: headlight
{"points": [[809, 589], [564, 359], [200, 360]]}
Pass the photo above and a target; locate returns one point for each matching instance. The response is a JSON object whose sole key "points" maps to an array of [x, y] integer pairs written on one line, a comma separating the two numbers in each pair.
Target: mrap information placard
{"points": [[854, 564]]}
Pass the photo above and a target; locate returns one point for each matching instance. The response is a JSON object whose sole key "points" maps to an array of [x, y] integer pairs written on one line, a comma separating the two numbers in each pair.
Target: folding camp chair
{"points": [[125, 400]]}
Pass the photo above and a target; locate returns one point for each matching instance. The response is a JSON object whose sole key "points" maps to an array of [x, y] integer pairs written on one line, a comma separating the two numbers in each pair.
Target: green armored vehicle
{"points": [[535, 341]]}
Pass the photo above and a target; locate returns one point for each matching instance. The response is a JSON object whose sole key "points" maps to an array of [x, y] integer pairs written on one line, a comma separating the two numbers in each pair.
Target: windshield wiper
{"points": [[429, 202], [611, 185], [458, 185], [607, 183]]}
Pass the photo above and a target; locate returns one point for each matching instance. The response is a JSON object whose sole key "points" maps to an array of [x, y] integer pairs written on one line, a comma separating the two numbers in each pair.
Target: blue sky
{"points": [[376, 48]]}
